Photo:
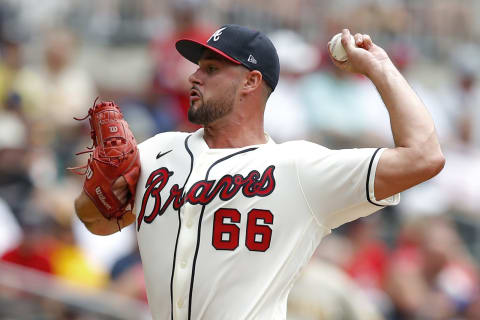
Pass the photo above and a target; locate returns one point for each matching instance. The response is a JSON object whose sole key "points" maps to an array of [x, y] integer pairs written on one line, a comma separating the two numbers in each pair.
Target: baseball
{"points": [[336, 48]]}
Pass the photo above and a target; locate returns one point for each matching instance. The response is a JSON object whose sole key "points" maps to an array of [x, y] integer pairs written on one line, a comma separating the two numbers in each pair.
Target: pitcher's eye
{"points": [[211, 69]]}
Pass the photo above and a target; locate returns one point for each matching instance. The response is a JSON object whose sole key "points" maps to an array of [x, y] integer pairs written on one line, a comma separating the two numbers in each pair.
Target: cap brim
{"points": [[192, 50]]}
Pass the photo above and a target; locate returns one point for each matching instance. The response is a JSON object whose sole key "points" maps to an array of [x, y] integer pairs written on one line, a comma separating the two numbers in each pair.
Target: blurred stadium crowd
{"points": [[419, 260]]}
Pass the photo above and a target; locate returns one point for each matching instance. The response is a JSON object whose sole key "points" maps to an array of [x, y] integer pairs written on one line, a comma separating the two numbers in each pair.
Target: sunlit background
{"points": [[419, 260]]}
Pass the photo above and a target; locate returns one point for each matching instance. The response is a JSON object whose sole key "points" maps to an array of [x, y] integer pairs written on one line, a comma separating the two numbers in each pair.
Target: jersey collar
{"points": [[197, 137]]}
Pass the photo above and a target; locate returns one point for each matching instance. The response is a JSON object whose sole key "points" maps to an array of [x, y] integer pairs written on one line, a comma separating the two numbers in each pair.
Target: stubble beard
{"points": [[211, 110]]}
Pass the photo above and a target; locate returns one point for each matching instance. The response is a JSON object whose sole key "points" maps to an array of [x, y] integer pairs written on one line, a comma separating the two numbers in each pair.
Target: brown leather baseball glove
{"points": [[114, 154]]}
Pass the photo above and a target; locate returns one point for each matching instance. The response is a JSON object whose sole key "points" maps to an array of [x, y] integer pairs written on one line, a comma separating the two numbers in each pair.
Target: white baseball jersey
{"points": [[223, 233]]}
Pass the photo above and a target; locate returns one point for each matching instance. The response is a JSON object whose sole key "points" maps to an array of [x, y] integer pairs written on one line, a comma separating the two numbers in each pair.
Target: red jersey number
{"points": [[259, 236], [226, 234]]}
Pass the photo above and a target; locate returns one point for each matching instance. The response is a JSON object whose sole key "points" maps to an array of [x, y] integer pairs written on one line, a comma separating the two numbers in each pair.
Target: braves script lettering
{"points": [[202, 192]]}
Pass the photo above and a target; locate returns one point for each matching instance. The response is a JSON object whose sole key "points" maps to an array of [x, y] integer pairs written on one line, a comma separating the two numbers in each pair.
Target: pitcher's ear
{"points": [[252, 81]]}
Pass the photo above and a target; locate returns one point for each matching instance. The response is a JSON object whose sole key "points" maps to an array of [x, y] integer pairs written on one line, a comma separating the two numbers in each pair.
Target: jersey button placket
{"points": [[180, 303], [186, 249], [181, 308], [188, 216], [183, 264]]}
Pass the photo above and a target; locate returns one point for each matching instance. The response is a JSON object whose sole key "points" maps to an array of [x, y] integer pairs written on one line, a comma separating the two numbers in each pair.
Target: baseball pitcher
{"points": [[225, 217]]}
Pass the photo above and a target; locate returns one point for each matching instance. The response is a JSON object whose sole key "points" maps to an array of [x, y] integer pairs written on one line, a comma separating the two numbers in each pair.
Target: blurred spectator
{"points": [[286, 118], [463, 98], [69, 88], [10, 231], [15, 183], [359, 251], [69, 91], [323, 291], [18, 79], [103, 250], [34, 249], [127, 275], [170, 86], [145, 119], [368, 257], [71, 264], [431, 275], [336, 103]]}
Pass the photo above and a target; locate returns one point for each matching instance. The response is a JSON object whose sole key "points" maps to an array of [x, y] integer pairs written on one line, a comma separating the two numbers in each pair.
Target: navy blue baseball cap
{"points": [[240, 45]]}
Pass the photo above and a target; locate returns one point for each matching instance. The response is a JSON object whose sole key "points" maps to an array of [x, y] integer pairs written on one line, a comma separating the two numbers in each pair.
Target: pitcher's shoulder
{"points": [[299, 147], [164, 138]]}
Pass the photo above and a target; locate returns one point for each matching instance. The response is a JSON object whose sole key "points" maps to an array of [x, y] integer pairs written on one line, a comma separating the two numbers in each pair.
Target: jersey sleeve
{"points": [[338, 185]]}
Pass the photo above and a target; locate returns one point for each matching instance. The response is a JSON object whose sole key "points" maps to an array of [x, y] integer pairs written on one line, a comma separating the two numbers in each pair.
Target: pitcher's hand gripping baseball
{"points": [[114, 154], [363, 56]]}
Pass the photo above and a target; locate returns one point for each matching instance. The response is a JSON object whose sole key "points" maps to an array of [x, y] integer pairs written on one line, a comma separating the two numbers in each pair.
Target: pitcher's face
{"points": [[214, 88]]}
